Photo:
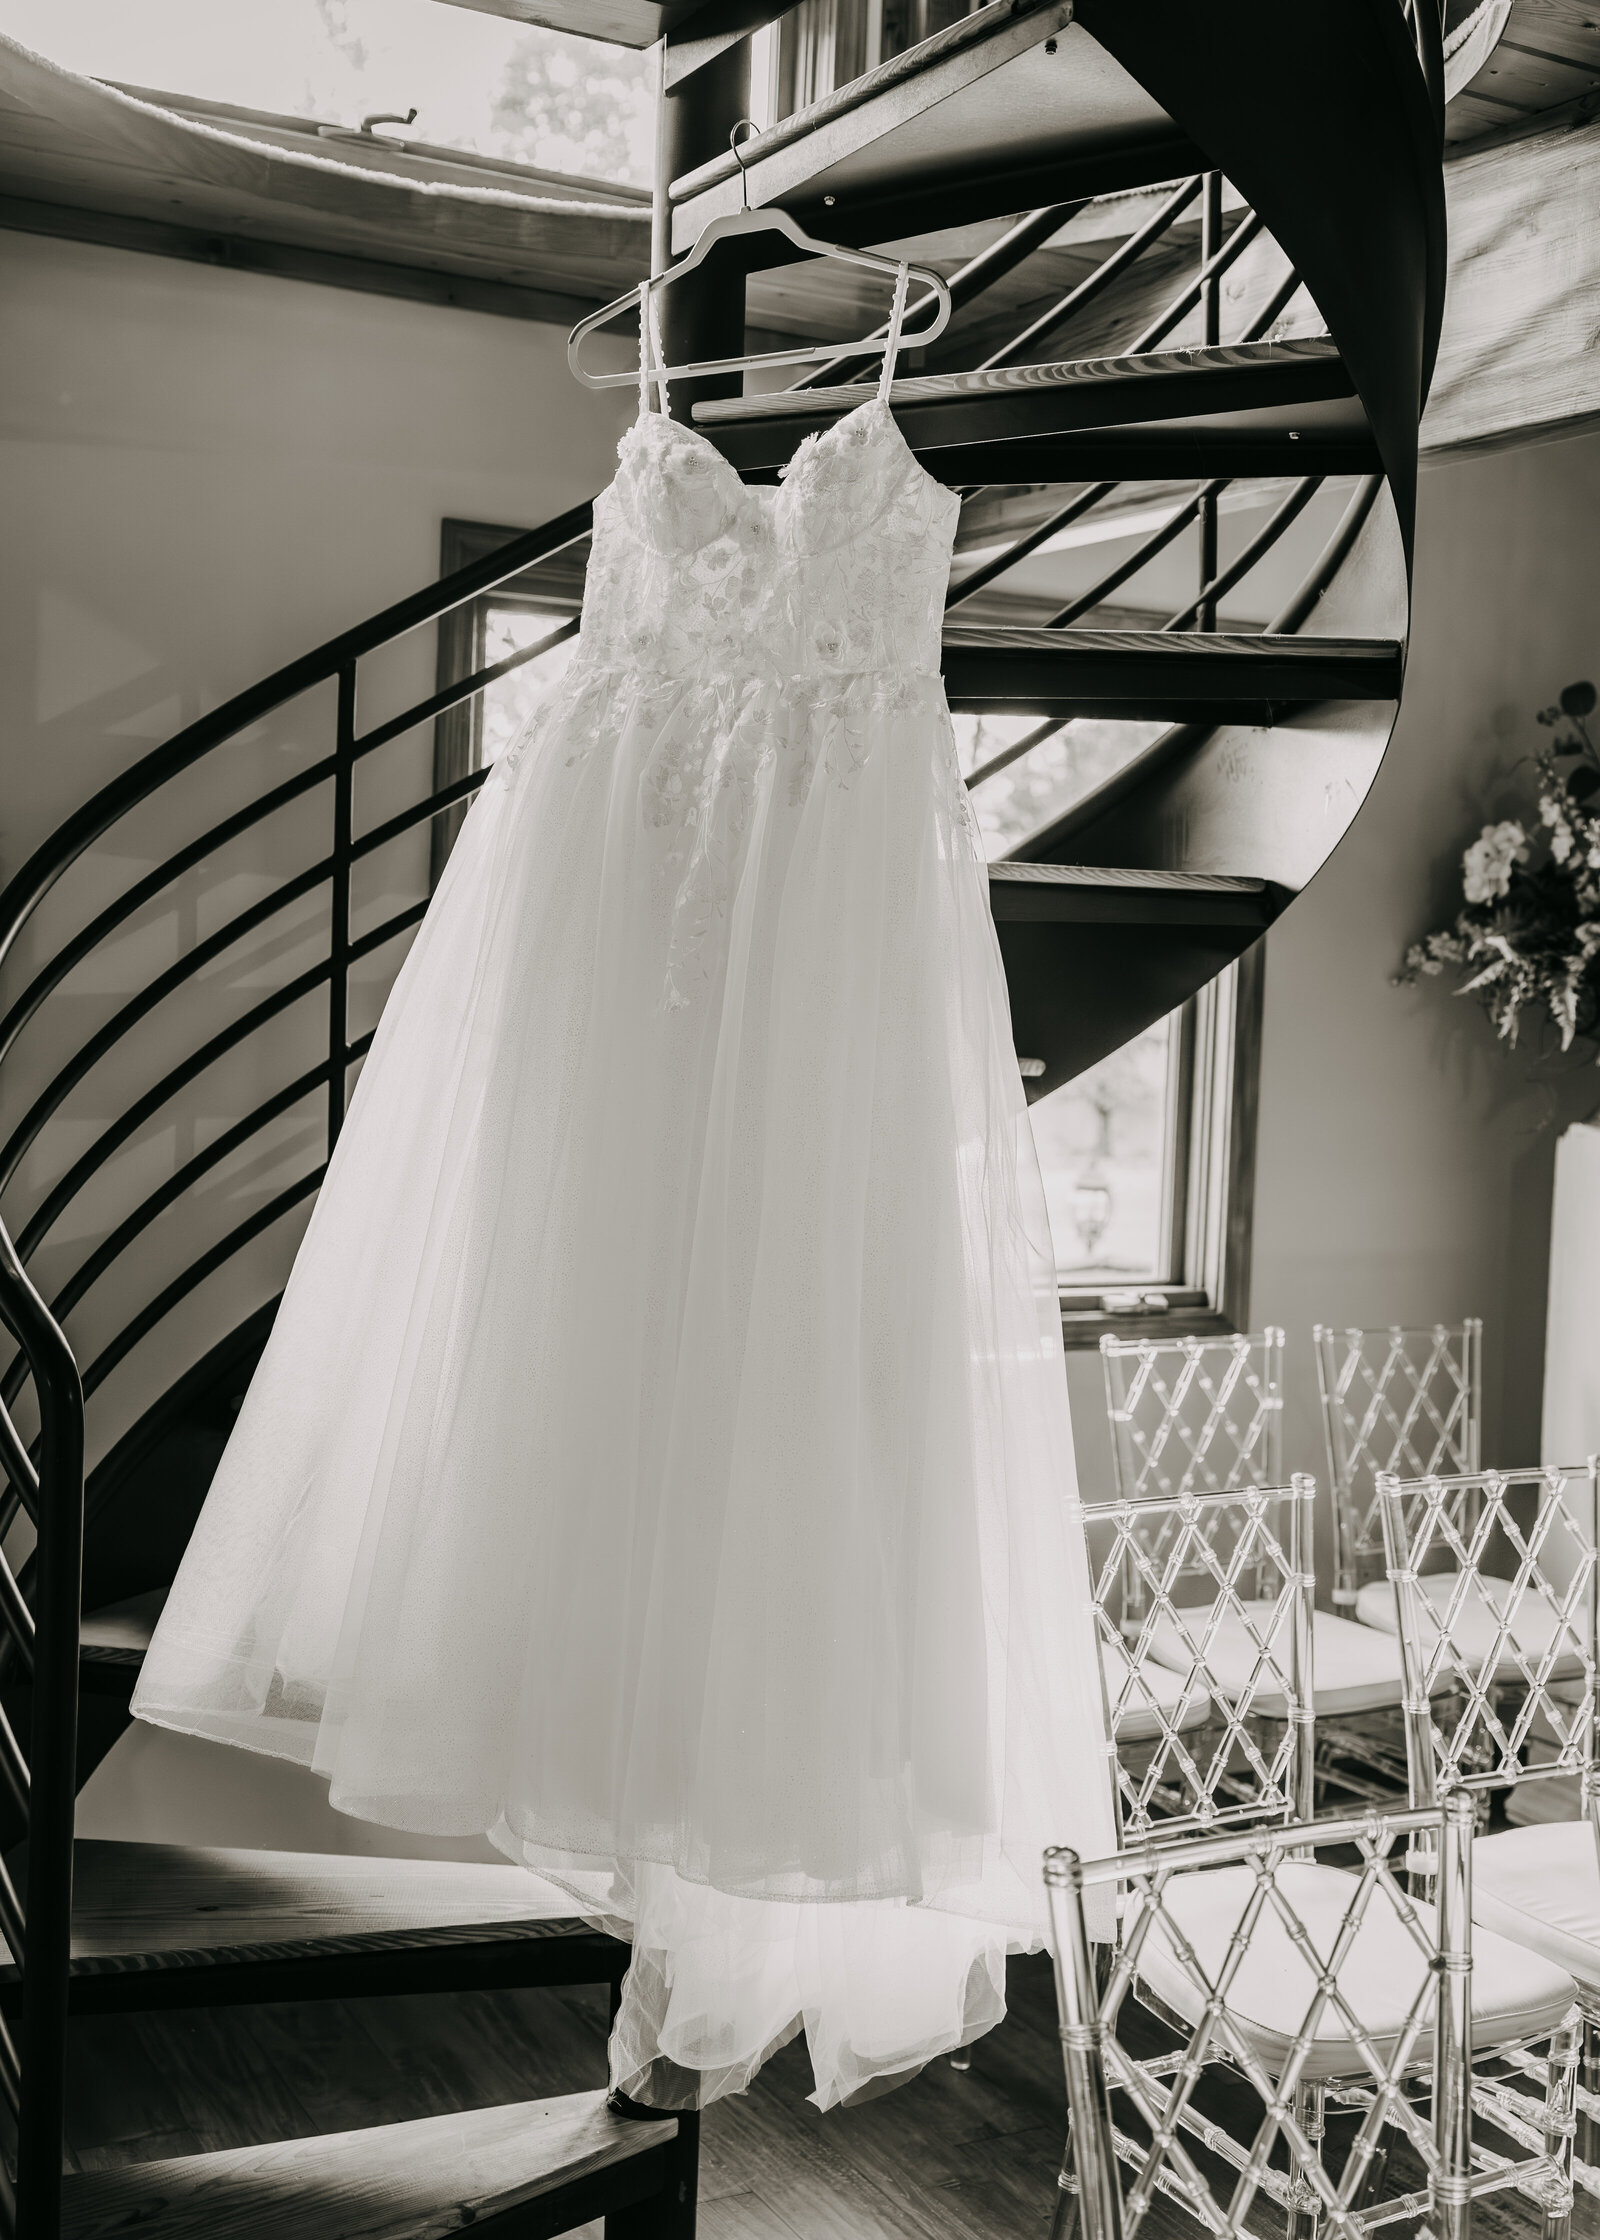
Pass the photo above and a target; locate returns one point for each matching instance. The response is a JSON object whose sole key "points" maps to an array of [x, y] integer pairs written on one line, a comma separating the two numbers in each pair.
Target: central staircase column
{"points": [[703, 316]]}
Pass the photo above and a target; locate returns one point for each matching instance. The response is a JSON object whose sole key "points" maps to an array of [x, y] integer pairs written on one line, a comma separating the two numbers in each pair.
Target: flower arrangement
{"points": [[1529, 935]]}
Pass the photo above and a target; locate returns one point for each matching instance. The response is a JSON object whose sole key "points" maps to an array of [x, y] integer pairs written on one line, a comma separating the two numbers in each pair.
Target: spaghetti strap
{"points": [[891, 349], [652, 358]]}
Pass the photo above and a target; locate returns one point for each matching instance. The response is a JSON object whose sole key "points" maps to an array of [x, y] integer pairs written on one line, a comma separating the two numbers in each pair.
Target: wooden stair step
{"points": [[532, 2168], [1095, 894], [1271, 407], [164, 1925], [976, 122], [1161, 676]]}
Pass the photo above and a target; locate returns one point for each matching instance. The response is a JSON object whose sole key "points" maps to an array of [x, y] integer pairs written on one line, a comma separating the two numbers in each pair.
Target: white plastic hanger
{"points": [[739, 225]]}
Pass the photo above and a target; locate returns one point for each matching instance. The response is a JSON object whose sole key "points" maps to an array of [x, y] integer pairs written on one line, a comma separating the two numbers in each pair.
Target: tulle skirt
{"points": [[661, 1460]]}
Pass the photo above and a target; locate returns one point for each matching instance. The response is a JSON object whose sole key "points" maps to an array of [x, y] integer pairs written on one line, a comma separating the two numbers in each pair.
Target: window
{"points": [[1148, 1162], [515, 615], [1148, 1158]]}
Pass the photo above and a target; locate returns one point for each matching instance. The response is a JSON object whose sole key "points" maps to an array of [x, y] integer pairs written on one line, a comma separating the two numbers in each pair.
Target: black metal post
{"points": [[703, 316], [339, 904], [53, 1753], [1211, 332]]}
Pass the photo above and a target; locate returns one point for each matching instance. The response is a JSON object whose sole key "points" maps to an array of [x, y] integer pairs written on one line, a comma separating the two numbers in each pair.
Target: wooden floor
{"points": [[950, 2156]]}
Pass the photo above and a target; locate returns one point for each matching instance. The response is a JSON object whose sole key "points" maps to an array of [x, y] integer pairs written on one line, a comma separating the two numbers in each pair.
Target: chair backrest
{"points": [[1497, 1589], [1257, 1969], [1406, 1402], [1213, 1673], [1194, 1415]]}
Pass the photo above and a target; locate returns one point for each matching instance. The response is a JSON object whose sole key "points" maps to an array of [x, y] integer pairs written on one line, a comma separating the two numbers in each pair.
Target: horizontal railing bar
{"points": [[1017, 749], [1282, 295], [1096, 282], [40, 873], [14, 1612], [51, 1098], [983, 576], [145, 890], [21, 1474], [195, 1274], [412, 915], [1153, 544], [11, 1915], [11, 2088], [973, 279], [1262, 542], [1186, 299], [146, 1107], [13, 1766], [183, 1178], [420, 812], [464, 689], [361, 1045]]}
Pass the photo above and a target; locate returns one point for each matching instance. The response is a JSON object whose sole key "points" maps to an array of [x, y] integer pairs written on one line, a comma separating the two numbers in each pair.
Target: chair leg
{"points": [[1310, 2103], [1587, 2142], [1064, 2224], [1558, 2127], [1376, 2175]]}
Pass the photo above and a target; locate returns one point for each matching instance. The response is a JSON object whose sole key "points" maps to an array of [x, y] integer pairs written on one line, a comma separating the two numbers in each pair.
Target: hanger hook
{"points": [[737, 145]]}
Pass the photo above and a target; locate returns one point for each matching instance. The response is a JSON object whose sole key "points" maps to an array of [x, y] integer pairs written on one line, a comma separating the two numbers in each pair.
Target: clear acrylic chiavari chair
{"points": [[1285, 1986], [1498, 1596], [1403, 1401], [1207, 1663], [1200, 1415]]}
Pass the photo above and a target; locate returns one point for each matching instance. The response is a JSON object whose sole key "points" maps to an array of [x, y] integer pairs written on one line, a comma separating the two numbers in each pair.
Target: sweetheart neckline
{"points": [[816, 440]]}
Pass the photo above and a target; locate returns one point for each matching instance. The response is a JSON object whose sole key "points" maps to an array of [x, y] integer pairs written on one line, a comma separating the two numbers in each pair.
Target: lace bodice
{"points": [[839, 571]]}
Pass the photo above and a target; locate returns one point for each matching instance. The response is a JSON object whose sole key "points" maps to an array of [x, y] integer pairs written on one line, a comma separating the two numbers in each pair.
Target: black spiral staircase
{"points": [[138, 1310]]}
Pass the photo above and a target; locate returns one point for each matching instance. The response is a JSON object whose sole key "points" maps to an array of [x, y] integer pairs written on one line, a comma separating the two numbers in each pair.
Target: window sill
{"points": [[1082, 1327]]}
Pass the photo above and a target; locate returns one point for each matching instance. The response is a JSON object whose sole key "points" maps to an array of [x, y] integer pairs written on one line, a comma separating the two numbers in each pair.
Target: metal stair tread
{"points": [[978, 121], [940, 388], [419, 2180], [143, 1908], [1114, 875], [1291, 398], [1163, 676], [1220, 646]]}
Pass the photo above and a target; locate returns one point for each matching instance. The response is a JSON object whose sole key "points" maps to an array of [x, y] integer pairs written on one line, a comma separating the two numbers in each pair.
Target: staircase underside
{"points": [[975, 123]]}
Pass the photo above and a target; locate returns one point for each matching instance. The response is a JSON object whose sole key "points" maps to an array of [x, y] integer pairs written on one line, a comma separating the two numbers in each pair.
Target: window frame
{"points": [[1212, 1189], [1211, 1202]]}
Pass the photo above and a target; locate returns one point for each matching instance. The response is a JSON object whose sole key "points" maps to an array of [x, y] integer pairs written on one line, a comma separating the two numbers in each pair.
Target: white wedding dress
{"points": [[661, 1460]]}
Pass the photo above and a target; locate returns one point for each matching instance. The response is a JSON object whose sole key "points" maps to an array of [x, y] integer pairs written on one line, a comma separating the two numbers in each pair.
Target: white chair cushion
{"points": [[1151, 1700], [1540, 1887], [1515, 1993], [1356, 1668], [1477, 1622]]}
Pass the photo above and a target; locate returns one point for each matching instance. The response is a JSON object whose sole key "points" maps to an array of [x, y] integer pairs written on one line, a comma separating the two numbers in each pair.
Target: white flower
{"points": [[1486, 866], [1550, 808], [1561, 843]]}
